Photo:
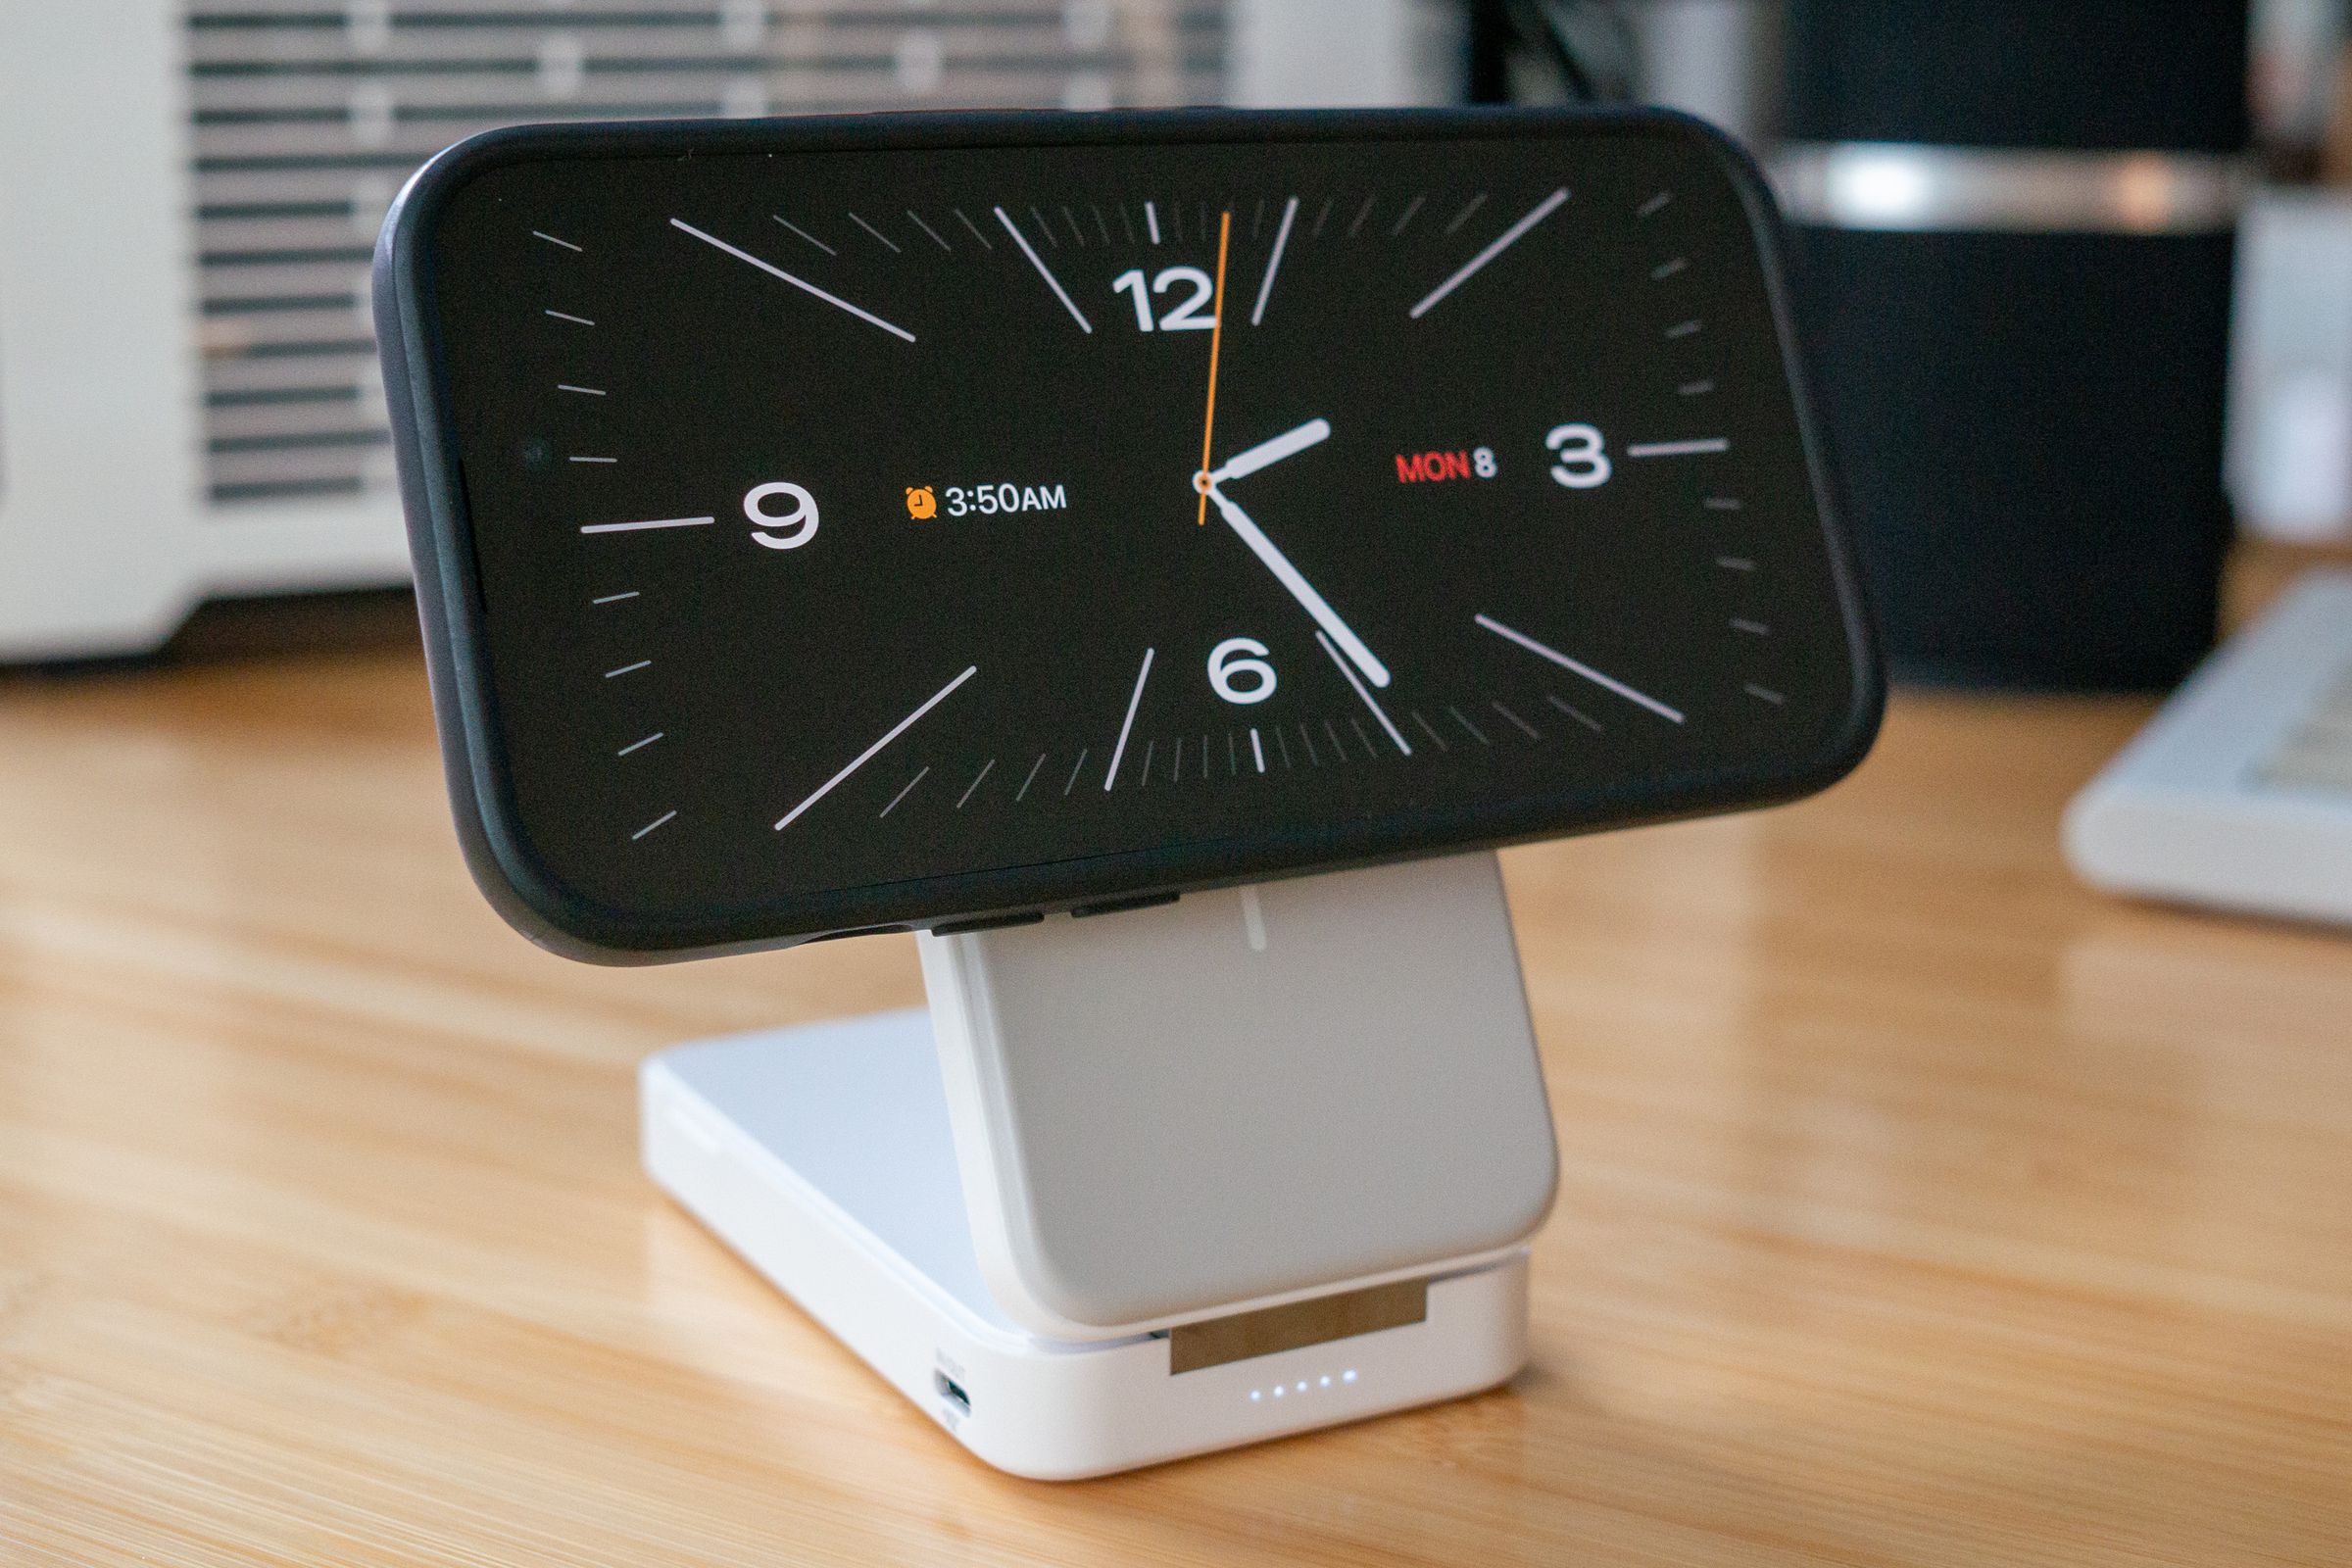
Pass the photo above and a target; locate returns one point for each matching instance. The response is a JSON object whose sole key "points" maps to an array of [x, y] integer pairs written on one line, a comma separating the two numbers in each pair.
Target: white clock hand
{"points": [[1288, 575], [1271, 451]]}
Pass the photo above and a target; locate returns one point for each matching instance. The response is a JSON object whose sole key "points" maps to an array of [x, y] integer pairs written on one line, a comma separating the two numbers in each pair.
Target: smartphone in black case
{"points": [[825, 525]]}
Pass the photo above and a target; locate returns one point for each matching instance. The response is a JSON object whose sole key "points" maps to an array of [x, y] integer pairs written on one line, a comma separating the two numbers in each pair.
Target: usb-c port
{"points": [[952, 1392]]}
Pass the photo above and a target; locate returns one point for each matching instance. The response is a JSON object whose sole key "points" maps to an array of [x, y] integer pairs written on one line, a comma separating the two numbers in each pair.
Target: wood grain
{"points": [[1918, 1205]]}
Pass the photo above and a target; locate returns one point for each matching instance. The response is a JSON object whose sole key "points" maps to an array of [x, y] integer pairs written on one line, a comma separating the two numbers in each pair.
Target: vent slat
{"points": [[305, 116]]}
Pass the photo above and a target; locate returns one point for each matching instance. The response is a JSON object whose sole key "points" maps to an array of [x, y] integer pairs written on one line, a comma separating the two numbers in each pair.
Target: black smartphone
{"points": [[828, 525]]}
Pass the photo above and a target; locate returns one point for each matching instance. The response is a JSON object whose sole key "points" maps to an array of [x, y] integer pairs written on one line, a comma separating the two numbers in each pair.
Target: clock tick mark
{"points": [[639, 746], [1284, 747], [1126, 223], [1685, 328], [1134, 701], [1077, 234], [975, 228], [651, 523], [1532, 732], [1694, 389], [1099, 225], [540, 233], [1734, 563], [1766, 693], [584, 391], [916, 218], [1313, 758], [1463, 216], [1322, 217], [592, 460], [901, 795], [871, 752], [1476, 734], [1494, 248], [629, 669], [1357, 687], [1608, 683], [1755, 628], [566, 316], [1075, 767], [1428, 729], [1022, 793], [615, 599], [803, 233], [665, 816], [1411, 208], [1045, 272], [1666, 269], [1204, 759], [1337, 749], [1258, 749], [1654, 205], [1282, 238], [1356, 724], [877, 233], [1152, 221], [1175, 769], [801, 283], [1143, 774], [1362, 213], [1699, 447], [1721, 503], [1043, 228], [975, 783], [1576, 714]]}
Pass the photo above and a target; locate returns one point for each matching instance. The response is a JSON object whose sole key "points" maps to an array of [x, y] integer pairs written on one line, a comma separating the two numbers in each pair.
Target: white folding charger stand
{"points": [[1148, 1184]]}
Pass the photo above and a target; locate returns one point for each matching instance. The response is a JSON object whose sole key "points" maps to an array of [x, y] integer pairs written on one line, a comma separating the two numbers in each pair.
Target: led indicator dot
{"points": [[1303, 1387], [1348, 1376], [1278, 1390], [1326, 1380], [1255, 1396]]}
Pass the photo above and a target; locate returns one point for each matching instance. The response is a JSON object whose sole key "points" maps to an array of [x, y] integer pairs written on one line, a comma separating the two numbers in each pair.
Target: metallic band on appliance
{"points": [[1916, 187]]}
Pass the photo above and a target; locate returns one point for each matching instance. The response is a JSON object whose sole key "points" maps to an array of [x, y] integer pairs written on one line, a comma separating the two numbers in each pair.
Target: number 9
{"points": [[1232, 658], [788, 530]]}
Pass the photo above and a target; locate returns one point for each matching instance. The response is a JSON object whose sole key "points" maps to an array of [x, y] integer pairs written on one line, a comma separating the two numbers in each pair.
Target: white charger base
{"points": [[824, 1156]]}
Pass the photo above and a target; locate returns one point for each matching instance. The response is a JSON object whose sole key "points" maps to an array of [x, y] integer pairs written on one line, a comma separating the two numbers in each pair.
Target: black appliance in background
{"points": [[2015, 232]]}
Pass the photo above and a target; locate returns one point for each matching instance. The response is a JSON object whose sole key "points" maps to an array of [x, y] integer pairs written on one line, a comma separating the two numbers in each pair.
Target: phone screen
{"points": [[854, 532]]}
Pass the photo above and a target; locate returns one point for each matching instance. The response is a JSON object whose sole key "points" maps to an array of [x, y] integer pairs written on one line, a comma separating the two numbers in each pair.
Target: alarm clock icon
{"points": [[922, 503]]}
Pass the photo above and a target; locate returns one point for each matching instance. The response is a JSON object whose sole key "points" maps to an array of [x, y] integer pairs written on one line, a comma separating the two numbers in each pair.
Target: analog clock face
{"points": [[856, 534]]}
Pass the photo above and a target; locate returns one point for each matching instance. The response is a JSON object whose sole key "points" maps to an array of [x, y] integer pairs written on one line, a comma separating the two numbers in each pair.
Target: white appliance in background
{"points": [[190, 193], [2290, 367]]}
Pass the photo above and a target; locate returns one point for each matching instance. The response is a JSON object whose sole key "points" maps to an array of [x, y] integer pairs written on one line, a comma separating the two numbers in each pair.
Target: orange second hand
{"points": [[1216, 334]]}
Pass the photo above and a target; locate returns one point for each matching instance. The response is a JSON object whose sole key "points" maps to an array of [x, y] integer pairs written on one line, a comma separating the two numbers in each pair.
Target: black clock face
{"points": [[901, 533]]}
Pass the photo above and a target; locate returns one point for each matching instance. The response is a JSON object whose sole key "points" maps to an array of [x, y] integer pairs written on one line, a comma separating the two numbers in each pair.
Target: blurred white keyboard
{"points": [[2238, 794]]}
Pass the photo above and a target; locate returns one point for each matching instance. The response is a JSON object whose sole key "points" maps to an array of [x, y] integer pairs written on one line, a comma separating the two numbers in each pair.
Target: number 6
{"points": [[1240, 657], [1583, 456]]}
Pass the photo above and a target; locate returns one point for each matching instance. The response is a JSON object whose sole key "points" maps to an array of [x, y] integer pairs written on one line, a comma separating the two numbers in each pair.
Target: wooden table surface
{"points": [[1918, 1206]]}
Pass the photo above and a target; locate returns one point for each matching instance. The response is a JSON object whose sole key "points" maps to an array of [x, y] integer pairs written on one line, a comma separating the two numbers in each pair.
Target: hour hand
{"points": [[1285, 445]]}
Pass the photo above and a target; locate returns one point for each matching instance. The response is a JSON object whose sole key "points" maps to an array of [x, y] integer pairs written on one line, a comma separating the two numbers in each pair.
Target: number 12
{"points": [[1183, 317]]}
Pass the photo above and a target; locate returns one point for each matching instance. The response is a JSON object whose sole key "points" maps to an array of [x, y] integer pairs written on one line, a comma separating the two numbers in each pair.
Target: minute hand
{"points": [[1301, 589]]}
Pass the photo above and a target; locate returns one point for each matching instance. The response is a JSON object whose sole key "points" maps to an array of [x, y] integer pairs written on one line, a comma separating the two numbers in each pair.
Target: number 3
{"points": [[1583, 456]]}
